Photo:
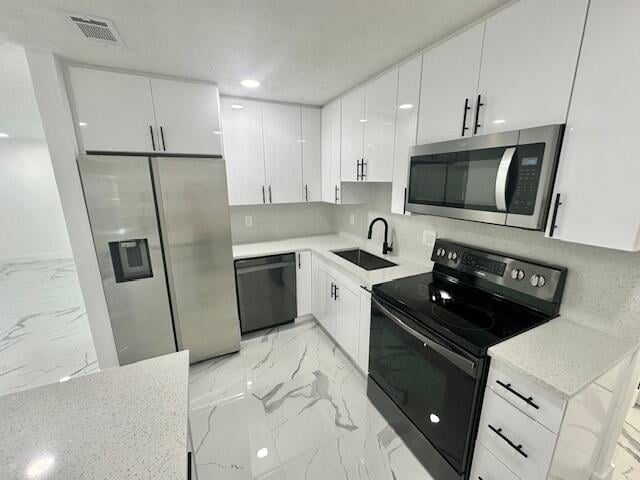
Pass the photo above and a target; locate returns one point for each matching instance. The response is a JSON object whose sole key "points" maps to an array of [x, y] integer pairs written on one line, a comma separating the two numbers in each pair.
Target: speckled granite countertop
{"points": [[325, 244], [128, 422], [562, 355]]}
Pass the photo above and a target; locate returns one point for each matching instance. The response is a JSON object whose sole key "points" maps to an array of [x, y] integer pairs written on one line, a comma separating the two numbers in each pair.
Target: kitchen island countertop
{"points": [[126, 422]]}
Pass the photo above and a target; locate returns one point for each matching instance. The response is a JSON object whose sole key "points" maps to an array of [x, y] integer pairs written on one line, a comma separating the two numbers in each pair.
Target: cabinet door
{"points": [[282, 153], [598, 169], [406, 129], [114, 111], [331, 310], [347, 329], [449, 82], [352, 134], [330, 152], [379, 129], [311, 162], [243, 151], [528, 63], [364, 327], [304, 283], [187, 117]]}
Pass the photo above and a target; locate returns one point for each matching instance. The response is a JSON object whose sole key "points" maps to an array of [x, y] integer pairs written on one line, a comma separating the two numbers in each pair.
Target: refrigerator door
{"points": [[120, 202], [196, 229]]}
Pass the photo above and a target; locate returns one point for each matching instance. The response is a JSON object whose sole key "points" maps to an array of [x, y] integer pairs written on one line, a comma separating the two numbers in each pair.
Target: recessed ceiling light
{"points": [[406, 106], [434, 418], [216, 132], [65, 379], [249, 83], [499, 121], [82, 124], [236, 106], [4, 135], [362, 120]]}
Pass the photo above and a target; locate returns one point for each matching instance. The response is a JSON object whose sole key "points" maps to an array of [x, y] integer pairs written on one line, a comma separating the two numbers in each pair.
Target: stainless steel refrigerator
{"points": [[162, 235]]}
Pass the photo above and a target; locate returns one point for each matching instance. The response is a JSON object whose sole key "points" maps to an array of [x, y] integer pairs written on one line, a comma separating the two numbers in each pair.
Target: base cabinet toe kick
{"points": [[528, 432]]}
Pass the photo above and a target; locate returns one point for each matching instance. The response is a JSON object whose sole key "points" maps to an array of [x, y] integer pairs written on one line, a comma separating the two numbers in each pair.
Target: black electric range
{"points": [[429, 338]]}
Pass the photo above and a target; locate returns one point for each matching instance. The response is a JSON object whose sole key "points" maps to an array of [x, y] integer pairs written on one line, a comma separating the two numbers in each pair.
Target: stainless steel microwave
{"points": [[503, 178]]}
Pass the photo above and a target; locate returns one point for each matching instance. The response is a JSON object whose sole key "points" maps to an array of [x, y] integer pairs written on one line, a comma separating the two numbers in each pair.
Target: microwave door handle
{"points": [[503, 177], [465, 364]]}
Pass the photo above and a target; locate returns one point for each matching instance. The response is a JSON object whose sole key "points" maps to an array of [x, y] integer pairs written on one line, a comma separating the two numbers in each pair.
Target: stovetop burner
{"points": [[477, 298], [470, 317]]}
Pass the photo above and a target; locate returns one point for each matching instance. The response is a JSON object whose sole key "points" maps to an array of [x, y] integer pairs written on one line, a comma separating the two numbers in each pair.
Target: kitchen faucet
{"points": [[386, 247]]}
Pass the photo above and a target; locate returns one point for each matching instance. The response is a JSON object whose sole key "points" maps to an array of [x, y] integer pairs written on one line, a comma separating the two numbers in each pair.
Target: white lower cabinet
{"points": [[523, 445], [304, 293], [364, 328], [348, 318], [527, 432], [487, 467], [342, 308]]}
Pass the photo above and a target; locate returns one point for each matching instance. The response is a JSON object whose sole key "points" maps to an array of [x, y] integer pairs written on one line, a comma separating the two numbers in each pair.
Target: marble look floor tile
{"points": [[44, 331], [300, 401]]}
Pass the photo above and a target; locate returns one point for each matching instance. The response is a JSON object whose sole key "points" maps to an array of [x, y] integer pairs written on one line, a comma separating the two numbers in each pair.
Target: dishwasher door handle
{"points": [[267, 266]]}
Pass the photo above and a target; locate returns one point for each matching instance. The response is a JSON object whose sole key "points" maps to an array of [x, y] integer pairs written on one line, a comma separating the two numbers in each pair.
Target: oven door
{"points": [[436, 385]]}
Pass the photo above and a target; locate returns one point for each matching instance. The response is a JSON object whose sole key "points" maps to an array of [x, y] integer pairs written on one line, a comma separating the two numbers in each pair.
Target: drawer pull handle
{"points": [[528, 400], [517, 448]]}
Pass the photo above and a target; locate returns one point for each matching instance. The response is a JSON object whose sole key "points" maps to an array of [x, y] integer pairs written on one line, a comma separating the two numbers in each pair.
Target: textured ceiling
{"points": [[19, 115], [305, 51]]}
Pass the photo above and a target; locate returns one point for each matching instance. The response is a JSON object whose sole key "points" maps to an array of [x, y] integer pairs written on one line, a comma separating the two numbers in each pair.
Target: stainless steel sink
{"points": [[364, 259]]}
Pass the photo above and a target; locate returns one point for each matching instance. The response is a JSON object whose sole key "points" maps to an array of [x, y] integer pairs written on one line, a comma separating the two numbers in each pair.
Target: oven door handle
{"points": [[503, 177], [464, 363]]}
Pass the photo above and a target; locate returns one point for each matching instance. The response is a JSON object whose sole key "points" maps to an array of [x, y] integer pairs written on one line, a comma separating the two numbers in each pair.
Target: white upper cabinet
{"points": [[243, 151], [379, 128], [406, 127], [330, 151], [282, 153], [528, 63], [187, 117], [449, 83], [352, 135], [114, 111], [599, 169], [311, 162], [120, 112]]}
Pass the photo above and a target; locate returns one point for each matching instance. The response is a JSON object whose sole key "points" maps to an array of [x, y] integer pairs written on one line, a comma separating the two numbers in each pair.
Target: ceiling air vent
{"points": [[96, 29]]}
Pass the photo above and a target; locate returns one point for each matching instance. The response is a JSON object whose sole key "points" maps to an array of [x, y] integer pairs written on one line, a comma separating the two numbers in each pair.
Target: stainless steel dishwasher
{"points": [[266, 291]]}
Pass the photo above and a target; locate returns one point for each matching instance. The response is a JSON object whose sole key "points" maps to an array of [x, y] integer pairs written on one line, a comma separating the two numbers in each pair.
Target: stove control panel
{"points": [[544, 282]]}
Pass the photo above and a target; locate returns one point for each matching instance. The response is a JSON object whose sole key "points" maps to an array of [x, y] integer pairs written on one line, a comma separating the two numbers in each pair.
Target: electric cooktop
{"points": [[476, 298]]}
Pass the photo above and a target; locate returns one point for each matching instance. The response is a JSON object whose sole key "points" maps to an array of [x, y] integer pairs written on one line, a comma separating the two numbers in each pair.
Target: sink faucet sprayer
{"points": [[386, 247]]}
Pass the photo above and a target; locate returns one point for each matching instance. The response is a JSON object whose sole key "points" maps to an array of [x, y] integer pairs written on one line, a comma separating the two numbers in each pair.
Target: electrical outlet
{"points": [[428, 237], [248, 221], [352, 219]]}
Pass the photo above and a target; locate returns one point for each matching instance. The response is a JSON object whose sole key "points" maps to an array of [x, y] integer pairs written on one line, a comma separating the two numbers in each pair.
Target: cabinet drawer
{"points": [[487, 467], [523, 445], [527, 396]]}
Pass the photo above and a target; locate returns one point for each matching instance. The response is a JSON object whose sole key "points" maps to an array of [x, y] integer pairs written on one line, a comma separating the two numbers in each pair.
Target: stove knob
{"points": [[538, 280], [453, 256], [517, 274], [441, 252]]}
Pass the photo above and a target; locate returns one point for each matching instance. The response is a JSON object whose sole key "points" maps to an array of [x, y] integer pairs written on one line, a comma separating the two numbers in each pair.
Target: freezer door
{"points": [[120, 202], [196, 230]]}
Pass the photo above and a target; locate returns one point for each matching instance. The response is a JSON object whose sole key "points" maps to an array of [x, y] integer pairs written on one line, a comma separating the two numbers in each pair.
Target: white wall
{"points": [[30, 212], [57, 123]]}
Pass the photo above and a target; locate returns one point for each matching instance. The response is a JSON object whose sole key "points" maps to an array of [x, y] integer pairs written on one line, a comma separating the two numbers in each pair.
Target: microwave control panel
{"points": [[526, 177]]}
